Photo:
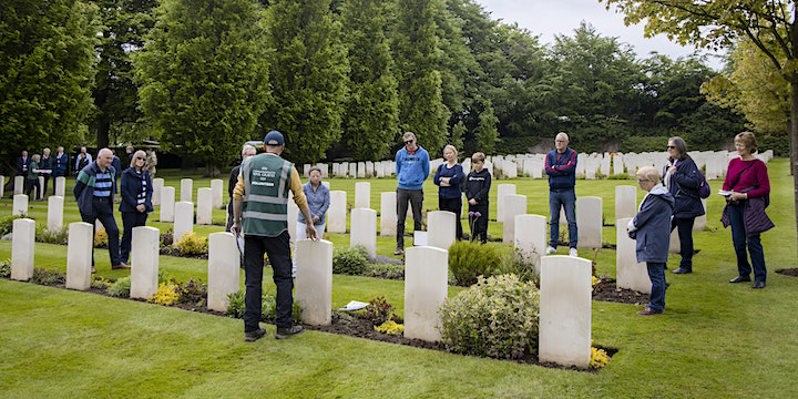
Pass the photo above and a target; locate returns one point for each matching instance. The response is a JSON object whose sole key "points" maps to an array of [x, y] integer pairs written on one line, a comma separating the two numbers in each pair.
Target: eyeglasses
{"points": [[408, 142], [140, 158], [671, 147], [642, 180]]}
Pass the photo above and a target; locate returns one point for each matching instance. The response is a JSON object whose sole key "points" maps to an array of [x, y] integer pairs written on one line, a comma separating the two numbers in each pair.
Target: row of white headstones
{"points": [[565, 328]]}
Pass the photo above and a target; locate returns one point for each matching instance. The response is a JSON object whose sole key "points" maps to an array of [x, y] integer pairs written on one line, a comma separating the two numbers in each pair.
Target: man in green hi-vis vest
{"points": [[261, 198]]}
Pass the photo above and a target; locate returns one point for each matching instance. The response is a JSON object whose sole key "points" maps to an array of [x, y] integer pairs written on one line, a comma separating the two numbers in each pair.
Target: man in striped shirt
{"points": [[94, 192]]}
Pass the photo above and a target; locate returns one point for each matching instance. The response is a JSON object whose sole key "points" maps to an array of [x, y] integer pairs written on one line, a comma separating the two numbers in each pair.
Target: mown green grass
{"points": [[716, 340]]}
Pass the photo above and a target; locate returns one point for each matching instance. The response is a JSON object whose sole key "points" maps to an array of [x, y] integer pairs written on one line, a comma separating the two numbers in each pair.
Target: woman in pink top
{"points": [[747, 188]]}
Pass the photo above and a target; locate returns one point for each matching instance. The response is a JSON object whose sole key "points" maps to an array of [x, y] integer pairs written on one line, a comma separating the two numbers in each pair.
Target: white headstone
{"points": [[79, 252], [625, 202], [19, 185], [675, 244], [388, 213], [2, 185], [352, 170], [157, 189], [204, 203], [293, 213], [629, 273], [441, 231], [363, 195], [336, 214], [514, 205], [361, 170], [60, 186], [184, 219], [20, 206], [426, 274], [364, 229], [565, 311], [589, 220], [144, 262], [314, 281], [39, 190], [224, 263], [55, 213], [168, 204], [531, 237], [701, 221], [186, 190], [504, 189], [24, 238], [617, 164], [217, 193]]}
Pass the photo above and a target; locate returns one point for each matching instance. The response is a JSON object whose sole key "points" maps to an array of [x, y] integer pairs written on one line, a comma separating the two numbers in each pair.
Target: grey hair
{"points": [[680, 145], [247, 147]]}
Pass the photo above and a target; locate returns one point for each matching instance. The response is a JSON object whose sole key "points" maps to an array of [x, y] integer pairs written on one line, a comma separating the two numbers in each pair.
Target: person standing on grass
{"points": [[260, 200], [82, 160], [747, 191], [136, 200], [651, 229], [477, 191], [412, 168], [246, 152], [448, 178], [46, 170], [94, 192], [561, 168], [60, 162], [32, 178]]}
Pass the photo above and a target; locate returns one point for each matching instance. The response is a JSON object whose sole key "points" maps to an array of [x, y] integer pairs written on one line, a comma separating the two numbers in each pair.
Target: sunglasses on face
{"points": [[671, 147], [408, 142], [139, 158]]}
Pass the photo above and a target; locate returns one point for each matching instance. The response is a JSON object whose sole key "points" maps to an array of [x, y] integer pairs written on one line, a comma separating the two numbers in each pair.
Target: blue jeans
{"points": [[656, 273], [753, 243], [567, 199]]}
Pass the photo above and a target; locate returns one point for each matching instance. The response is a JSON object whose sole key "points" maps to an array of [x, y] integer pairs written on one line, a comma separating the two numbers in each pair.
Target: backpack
{"points": [[703, 188]]}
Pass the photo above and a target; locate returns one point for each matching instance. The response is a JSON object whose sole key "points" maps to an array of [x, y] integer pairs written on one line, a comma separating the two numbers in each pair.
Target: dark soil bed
{"points": [[606, 291], [788, 272]]}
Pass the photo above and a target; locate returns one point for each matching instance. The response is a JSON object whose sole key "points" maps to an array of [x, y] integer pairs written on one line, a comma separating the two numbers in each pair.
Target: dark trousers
{"points": [[29, 185], [656, 273], [279, 251], [479, 224], [416, 199], [685, 231], [129, 221], [752, 242], [454, 205], [104, 212], [46, 182]]}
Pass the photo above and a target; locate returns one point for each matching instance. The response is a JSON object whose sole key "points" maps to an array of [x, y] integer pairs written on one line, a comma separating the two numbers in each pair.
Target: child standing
{"points": [[476, 190]]}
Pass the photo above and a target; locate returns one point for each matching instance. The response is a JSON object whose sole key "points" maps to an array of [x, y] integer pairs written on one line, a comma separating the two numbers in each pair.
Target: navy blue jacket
{"points": [[683, 186], [455, 175], [561, 169], [135, 188], [22, 165], [60, 164], [117, 164], [478, 186], [651, 227]]}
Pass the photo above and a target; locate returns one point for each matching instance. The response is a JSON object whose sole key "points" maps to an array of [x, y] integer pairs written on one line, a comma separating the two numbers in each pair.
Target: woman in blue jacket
{"points": [[449, 178], [682, 179], [136, 200], [650, 228]]}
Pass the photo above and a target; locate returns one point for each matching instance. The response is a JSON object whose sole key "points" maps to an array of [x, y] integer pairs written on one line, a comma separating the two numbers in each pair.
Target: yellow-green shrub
{"points": [[100, 238], [166, 295], [390, 327], [192, 245], [598, 358]]}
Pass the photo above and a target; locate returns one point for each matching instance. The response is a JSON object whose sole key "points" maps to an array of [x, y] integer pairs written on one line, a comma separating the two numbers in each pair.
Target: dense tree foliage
{"points": [[46, 73], [308, 77], [203, 77]]}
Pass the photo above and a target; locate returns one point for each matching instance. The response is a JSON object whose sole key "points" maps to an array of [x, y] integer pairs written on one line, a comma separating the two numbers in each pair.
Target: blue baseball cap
{"points": [[274, 138]]}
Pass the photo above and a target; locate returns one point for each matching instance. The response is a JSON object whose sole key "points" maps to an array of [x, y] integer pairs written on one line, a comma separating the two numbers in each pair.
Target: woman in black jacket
{"points": [[682, 178], [136, 199]]}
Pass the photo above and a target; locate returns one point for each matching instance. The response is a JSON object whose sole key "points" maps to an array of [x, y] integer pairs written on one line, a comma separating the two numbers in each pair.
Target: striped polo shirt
{"points": [[103, 184]]}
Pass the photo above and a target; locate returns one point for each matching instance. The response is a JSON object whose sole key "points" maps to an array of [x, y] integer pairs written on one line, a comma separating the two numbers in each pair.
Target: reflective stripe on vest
{"points": [[265, 195]]}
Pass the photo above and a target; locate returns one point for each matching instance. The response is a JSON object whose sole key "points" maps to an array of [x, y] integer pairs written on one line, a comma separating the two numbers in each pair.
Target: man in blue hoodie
{"points": [[561, 168], [412, 168]]}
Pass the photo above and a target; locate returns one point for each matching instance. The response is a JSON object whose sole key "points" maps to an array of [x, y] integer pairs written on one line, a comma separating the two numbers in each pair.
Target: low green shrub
{"points": [[192, 245], [351, 260], [469, 260], [497, 317], [101, 283], [193, 292], [379, 311], [52, 237], [47, 277], [7, 224], [166, 295], [387, 271], [121, 288], [521, 264], [5, 268], [167, 237], [236, 306]]}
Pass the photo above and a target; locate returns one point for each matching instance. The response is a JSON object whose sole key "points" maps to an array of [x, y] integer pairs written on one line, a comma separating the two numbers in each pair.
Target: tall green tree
{"points": [[371, 118], [46, 61], [203, 77], [125, 25], [308, 77], [769, 25], [486, 131], [417, 55]]}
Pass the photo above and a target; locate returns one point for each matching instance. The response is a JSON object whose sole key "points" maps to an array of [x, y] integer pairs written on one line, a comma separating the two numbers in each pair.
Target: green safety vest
{"points": [[266, 186]]}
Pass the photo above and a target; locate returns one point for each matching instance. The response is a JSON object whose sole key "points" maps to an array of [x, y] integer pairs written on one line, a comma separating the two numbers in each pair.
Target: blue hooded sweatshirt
{"points": [[412, 169]]}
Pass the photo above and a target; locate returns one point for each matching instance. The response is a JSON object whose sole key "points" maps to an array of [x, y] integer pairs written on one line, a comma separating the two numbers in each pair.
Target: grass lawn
{"points": [[716, 340]]}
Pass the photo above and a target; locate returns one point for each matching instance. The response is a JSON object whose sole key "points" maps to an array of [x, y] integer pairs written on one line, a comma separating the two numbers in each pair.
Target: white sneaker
{"points": [[550, 250], [573, 253]]}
